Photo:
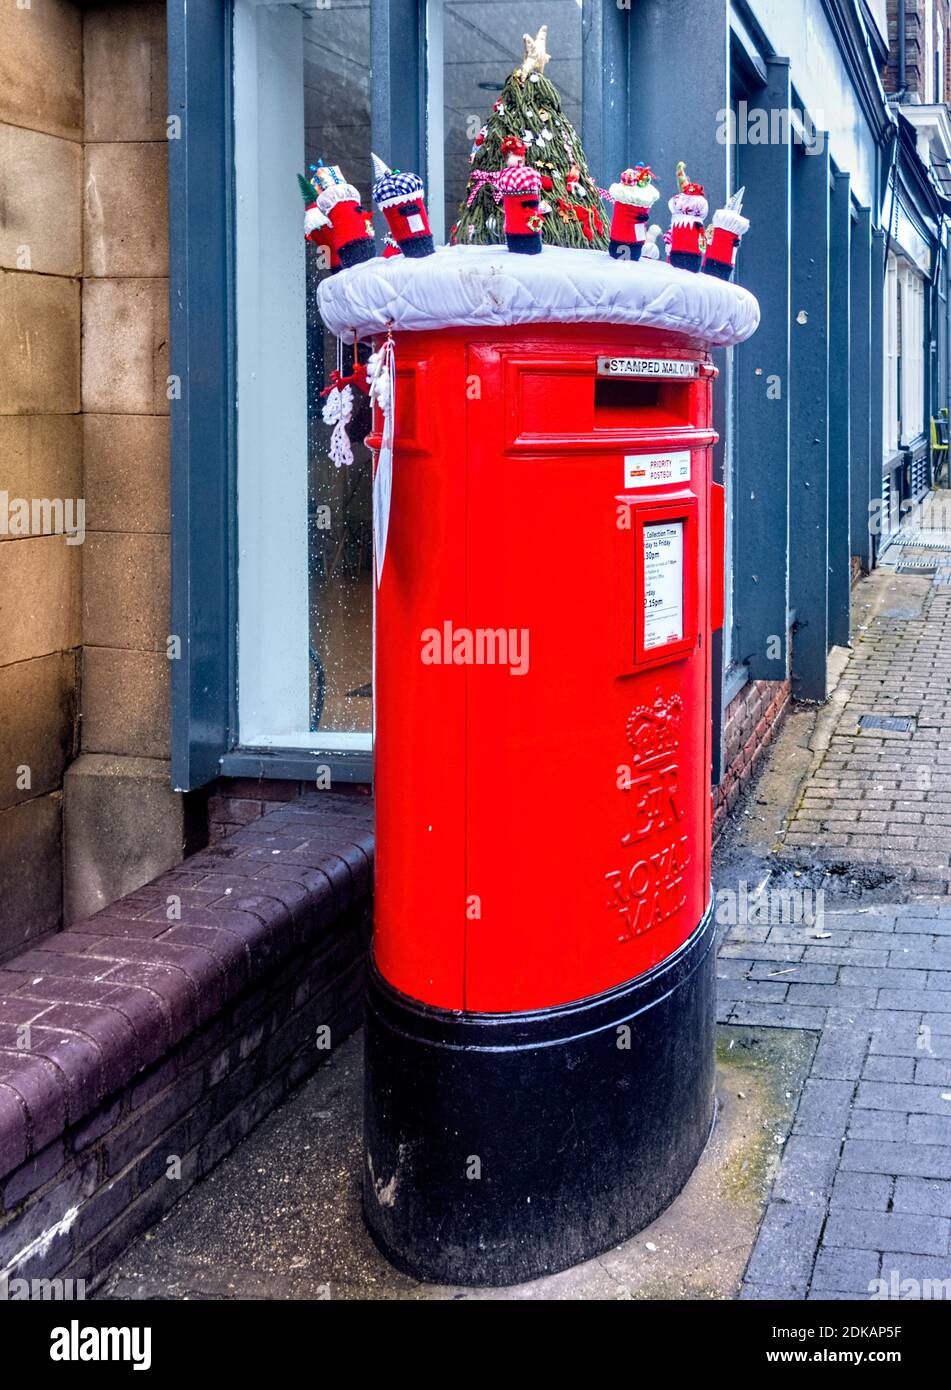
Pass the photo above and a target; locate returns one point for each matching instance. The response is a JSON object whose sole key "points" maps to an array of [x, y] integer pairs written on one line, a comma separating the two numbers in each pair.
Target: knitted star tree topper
{"points": [[527, 126]]}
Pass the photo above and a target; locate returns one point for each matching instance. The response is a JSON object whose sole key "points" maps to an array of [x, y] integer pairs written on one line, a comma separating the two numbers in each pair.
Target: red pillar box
{"points": [[539, 1039]]}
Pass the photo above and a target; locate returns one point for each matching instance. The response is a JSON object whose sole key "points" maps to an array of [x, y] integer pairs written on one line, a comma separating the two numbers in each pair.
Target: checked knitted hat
{"points": [[391, 186]]}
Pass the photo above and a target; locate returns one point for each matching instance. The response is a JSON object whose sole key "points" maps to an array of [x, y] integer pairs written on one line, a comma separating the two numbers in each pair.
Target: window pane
{"points": [[473, 47], [304, 526]]}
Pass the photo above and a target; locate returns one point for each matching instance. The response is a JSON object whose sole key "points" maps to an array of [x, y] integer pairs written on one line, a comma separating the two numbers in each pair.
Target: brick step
{"points": [[140, 1045]]}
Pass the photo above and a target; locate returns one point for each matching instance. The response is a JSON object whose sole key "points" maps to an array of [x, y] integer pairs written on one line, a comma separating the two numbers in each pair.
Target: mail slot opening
{"points": [[655, 402], [626, 395]]}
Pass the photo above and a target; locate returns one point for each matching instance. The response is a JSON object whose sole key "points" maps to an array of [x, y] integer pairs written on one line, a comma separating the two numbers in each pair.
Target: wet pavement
{"points": [[829, 1168]]}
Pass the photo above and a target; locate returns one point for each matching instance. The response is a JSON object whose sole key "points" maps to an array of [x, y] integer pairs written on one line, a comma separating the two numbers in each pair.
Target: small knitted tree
{"points": [[527, 126]]}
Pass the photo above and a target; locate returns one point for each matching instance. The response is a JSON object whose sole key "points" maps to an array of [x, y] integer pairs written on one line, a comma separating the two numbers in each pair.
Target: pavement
{"points": [[280, 1218], [828, 1175], [861, 814]]}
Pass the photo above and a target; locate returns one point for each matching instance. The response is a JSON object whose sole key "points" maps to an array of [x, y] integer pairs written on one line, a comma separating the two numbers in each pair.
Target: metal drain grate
{"points": [[893, 724], [913, 567], [930, 538]]}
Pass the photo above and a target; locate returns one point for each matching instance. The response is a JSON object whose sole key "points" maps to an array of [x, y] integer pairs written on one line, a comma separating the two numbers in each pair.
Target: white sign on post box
{"points": [[663, 583], [652, 470], [667, 368]]}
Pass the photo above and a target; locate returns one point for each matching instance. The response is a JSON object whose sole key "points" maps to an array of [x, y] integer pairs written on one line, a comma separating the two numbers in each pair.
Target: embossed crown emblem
{"points": [[653, 730]]}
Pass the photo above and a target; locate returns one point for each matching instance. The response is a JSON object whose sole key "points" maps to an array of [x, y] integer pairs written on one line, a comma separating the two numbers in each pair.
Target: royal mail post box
{"points": [[539, 1041]]}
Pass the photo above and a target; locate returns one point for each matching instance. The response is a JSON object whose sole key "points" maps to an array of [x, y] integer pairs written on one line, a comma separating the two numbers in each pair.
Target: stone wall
{"points": [[122, 823], [41, 263], [84, 416]]}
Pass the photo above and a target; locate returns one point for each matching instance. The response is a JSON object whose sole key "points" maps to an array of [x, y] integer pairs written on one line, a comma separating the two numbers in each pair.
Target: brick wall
{"points": [[751, 723], [71, 1210], [41, 130], [139, 1046], [915, 48], [237, 801]]}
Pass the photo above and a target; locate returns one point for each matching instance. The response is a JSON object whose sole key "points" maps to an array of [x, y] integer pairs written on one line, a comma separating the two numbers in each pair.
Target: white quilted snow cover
{"points": [[488, 286]]}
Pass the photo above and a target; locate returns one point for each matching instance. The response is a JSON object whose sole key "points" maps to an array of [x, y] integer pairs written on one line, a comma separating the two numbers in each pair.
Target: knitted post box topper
{"points": [[723, 238], [520, 186], [688, 210], [400, 197], [352, 226], [318, 230], [633, 196]]}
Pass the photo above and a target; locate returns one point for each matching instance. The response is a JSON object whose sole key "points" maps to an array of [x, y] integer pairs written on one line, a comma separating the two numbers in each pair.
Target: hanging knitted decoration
{"points": [[338, 411], [381, 375]]}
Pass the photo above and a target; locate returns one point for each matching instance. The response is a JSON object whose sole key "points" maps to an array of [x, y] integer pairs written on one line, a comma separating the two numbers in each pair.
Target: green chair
{"points": [[939, 443]]}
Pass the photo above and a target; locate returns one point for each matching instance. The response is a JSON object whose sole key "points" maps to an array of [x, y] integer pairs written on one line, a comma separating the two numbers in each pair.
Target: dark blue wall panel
{"points": [[840, 553], [202, 363], [809, 432]]}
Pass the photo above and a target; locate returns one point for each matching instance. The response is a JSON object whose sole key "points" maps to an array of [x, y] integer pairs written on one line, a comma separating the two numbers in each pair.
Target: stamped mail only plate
{"points": [[652, 470], [648, 366]]}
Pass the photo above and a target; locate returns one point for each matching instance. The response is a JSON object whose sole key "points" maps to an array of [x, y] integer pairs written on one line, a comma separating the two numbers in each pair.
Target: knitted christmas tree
{"points": [[527, 126]]}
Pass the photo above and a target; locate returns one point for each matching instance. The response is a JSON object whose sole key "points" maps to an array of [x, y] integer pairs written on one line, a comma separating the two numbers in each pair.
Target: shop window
{"points": [[890, 395], [472, 47], [304, 666], [912, 354]]}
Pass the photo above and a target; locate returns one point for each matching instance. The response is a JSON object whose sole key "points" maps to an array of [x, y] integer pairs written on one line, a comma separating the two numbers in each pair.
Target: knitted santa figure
{"points": [[633, 196], [400, 198], [723, 238], [351, 225], [688, 210], [318, 230], [519, 186]]}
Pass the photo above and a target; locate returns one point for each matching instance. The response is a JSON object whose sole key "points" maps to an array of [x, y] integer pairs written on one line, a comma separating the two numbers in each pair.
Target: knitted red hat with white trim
{"points": [[723, 238]]}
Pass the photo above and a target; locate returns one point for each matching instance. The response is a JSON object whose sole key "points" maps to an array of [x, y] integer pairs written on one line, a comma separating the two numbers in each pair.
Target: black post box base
{"points": [[500, 1147]]}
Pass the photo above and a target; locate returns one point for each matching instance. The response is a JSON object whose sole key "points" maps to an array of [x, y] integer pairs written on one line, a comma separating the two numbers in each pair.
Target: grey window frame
{"points": [[204, 726]]}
